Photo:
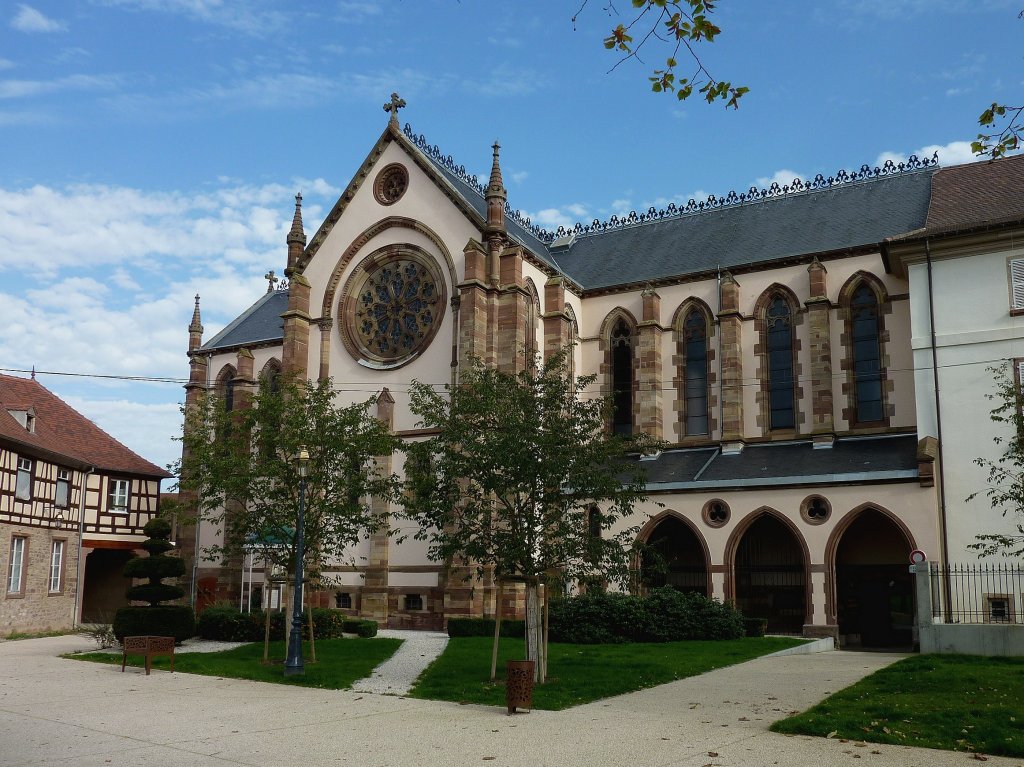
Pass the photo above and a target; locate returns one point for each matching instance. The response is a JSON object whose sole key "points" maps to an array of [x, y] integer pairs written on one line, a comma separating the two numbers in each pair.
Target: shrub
{"points": [[177, 621], [664, 615], [479, 627], [227, 624], [755, 627], [598, 618]]}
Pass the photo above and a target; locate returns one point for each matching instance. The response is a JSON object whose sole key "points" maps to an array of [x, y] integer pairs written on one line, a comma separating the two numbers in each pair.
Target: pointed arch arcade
{"points": [[678, 554]]}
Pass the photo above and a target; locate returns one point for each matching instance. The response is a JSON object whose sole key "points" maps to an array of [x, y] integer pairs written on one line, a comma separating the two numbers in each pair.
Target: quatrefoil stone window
{"points": [[392, 306], [391, 184]]}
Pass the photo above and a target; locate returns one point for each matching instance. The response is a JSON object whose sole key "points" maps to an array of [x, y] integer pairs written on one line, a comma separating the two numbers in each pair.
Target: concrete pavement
{"points": [[62, 712]]}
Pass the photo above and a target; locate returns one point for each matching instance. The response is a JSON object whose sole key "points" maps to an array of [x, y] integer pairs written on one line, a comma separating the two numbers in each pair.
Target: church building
{"points": [[766, 337]]}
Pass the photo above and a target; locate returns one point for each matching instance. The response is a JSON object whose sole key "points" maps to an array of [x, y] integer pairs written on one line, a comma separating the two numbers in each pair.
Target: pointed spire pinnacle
{"points": [[296, 234], [496, 184], [197, 324], [496, 195]]}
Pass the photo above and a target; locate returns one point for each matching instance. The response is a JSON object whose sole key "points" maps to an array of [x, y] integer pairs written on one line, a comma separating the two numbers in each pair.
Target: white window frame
{"points": [[117, 489], [23, 492], [56, 566], [1016, 271], [16, 565], [63, 477]]}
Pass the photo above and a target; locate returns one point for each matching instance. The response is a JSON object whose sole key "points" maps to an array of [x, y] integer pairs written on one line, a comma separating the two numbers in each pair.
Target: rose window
{"points": [[396, 309], [393, 305]]}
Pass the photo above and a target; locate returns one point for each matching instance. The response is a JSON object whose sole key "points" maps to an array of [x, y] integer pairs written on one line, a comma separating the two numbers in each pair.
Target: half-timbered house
{"points": [[73, 502]]}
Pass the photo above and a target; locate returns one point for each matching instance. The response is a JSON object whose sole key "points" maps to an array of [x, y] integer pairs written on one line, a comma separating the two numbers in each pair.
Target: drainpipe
{"points": [[81, 534], [943, 536]]}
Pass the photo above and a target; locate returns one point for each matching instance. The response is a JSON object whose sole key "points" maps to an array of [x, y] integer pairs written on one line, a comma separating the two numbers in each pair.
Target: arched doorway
{"points": [[104, 584], [874, 588], [675, 557], [771, 576]]}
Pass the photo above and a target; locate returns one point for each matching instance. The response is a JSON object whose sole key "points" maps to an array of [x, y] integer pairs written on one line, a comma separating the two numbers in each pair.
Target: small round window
{"points": [[392, 306], [391, 184], [716, 513], [815, 509]]}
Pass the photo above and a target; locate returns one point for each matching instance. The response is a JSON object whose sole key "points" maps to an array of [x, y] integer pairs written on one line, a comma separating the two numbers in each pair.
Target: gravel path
{"points": [[396, 675]]}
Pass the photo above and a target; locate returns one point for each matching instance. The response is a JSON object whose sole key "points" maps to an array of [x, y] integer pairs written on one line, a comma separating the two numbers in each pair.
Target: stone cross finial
{"points": [[271, 279], [393, 106]]}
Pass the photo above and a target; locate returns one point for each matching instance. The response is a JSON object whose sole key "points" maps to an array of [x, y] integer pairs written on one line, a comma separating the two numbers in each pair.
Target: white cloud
{"points": [[15, 89], [6, 64], [94, 225], [552, 218], [784, 177], [519, 176], [953, 153], [358, 10], [239, 15], [28, 19]]}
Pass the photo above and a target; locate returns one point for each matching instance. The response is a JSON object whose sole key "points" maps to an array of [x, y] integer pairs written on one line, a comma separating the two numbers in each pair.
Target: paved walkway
{"points": [[63, 712], [396, 675]]}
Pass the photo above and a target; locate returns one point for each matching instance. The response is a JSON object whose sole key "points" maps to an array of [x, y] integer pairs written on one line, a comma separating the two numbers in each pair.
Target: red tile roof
{"points": [[966, 196], [63, 431]]}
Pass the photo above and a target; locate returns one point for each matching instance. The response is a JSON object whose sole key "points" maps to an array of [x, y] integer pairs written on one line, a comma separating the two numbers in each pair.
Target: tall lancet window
{"points": [[622, 377], [867, 354], [695, 382], [781, 384]]}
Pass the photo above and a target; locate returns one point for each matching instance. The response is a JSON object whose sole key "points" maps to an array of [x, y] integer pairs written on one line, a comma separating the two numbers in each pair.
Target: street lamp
{"points": [[294, 665]]}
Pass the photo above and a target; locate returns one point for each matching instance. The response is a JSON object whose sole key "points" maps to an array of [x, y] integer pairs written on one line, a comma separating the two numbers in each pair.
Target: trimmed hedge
{"points": [[229, 625], [177, 621], [484, 627], [755, 627], [664, 615]]}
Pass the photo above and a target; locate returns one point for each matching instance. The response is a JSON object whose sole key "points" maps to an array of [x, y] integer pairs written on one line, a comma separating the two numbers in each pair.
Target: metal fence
{"points": [[978, 593]]}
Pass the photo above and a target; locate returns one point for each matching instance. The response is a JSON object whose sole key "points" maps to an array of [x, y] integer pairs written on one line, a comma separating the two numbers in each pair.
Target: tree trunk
{"points": [[266, 634], [533, 627], [497, 630], [544, 645]]}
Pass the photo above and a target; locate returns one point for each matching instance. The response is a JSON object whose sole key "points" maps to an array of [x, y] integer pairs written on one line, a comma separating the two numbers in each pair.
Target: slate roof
{"points": [[474, 197], [853, 459], [846, 216], [62, 431], [260, 323]]}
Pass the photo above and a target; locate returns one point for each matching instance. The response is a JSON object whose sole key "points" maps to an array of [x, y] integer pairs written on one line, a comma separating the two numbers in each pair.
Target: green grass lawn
{"points": [[953, 702], [581, 673], [340, 662]]}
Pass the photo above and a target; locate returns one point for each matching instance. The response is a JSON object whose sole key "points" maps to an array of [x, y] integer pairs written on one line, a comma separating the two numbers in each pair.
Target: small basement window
{"points": [[343, 600], [999, 608], [413, 601]]}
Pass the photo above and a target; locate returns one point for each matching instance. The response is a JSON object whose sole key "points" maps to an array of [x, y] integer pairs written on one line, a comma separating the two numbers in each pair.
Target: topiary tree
{"points": [[156, 619]]}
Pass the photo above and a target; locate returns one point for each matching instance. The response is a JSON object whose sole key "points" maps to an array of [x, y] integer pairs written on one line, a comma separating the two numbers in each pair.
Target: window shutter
{"points": [[1017, 283]]}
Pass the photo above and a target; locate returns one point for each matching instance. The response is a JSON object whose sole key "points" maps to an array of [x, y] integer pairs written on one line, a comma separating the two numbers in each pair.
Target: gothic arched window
{"points": [[781, 384], [622, 377], [695, 382], [867, 354]]}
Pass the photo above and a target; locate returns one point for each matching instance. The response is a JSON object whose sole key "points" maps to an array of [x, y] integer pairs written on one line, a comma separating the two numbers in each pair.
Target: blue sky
{"points": [[150, 148]]}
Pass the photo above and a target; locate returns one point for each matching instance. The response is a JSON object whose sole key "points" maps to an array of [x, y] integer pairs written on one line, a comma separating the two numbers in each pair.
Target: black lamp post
{"points": [[294, 665]]}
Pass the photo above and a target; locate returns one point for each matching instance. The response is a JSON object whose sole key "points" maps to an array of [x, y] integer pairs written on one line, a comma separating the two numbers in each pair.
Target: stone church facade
{"points": [[764, 337]]}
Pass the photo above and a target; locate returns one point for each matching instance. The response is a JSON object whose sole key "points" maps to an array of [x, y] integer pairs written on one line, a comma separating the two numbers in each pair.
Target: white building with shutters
{"points": [[966, 275]]}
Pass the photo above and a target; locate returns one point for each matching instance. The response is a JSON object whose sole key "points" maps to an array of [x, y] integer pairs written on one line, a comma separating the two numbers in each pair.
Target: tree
{"points": [[678, 24], [512, 477], [241, 467], [683, 24], [156, 619], [1005, 474]]}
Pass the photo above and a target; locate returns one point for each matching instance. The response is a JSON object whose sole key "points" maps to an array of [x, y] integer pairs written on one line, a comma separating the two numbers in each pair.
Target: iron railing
{"points": [[978, 593]]}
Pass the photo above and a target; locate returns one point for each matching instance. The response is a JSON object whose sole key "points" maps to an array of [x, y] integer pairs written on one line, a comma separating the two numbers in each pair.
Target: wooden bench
{"points": [[150, 646]]}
